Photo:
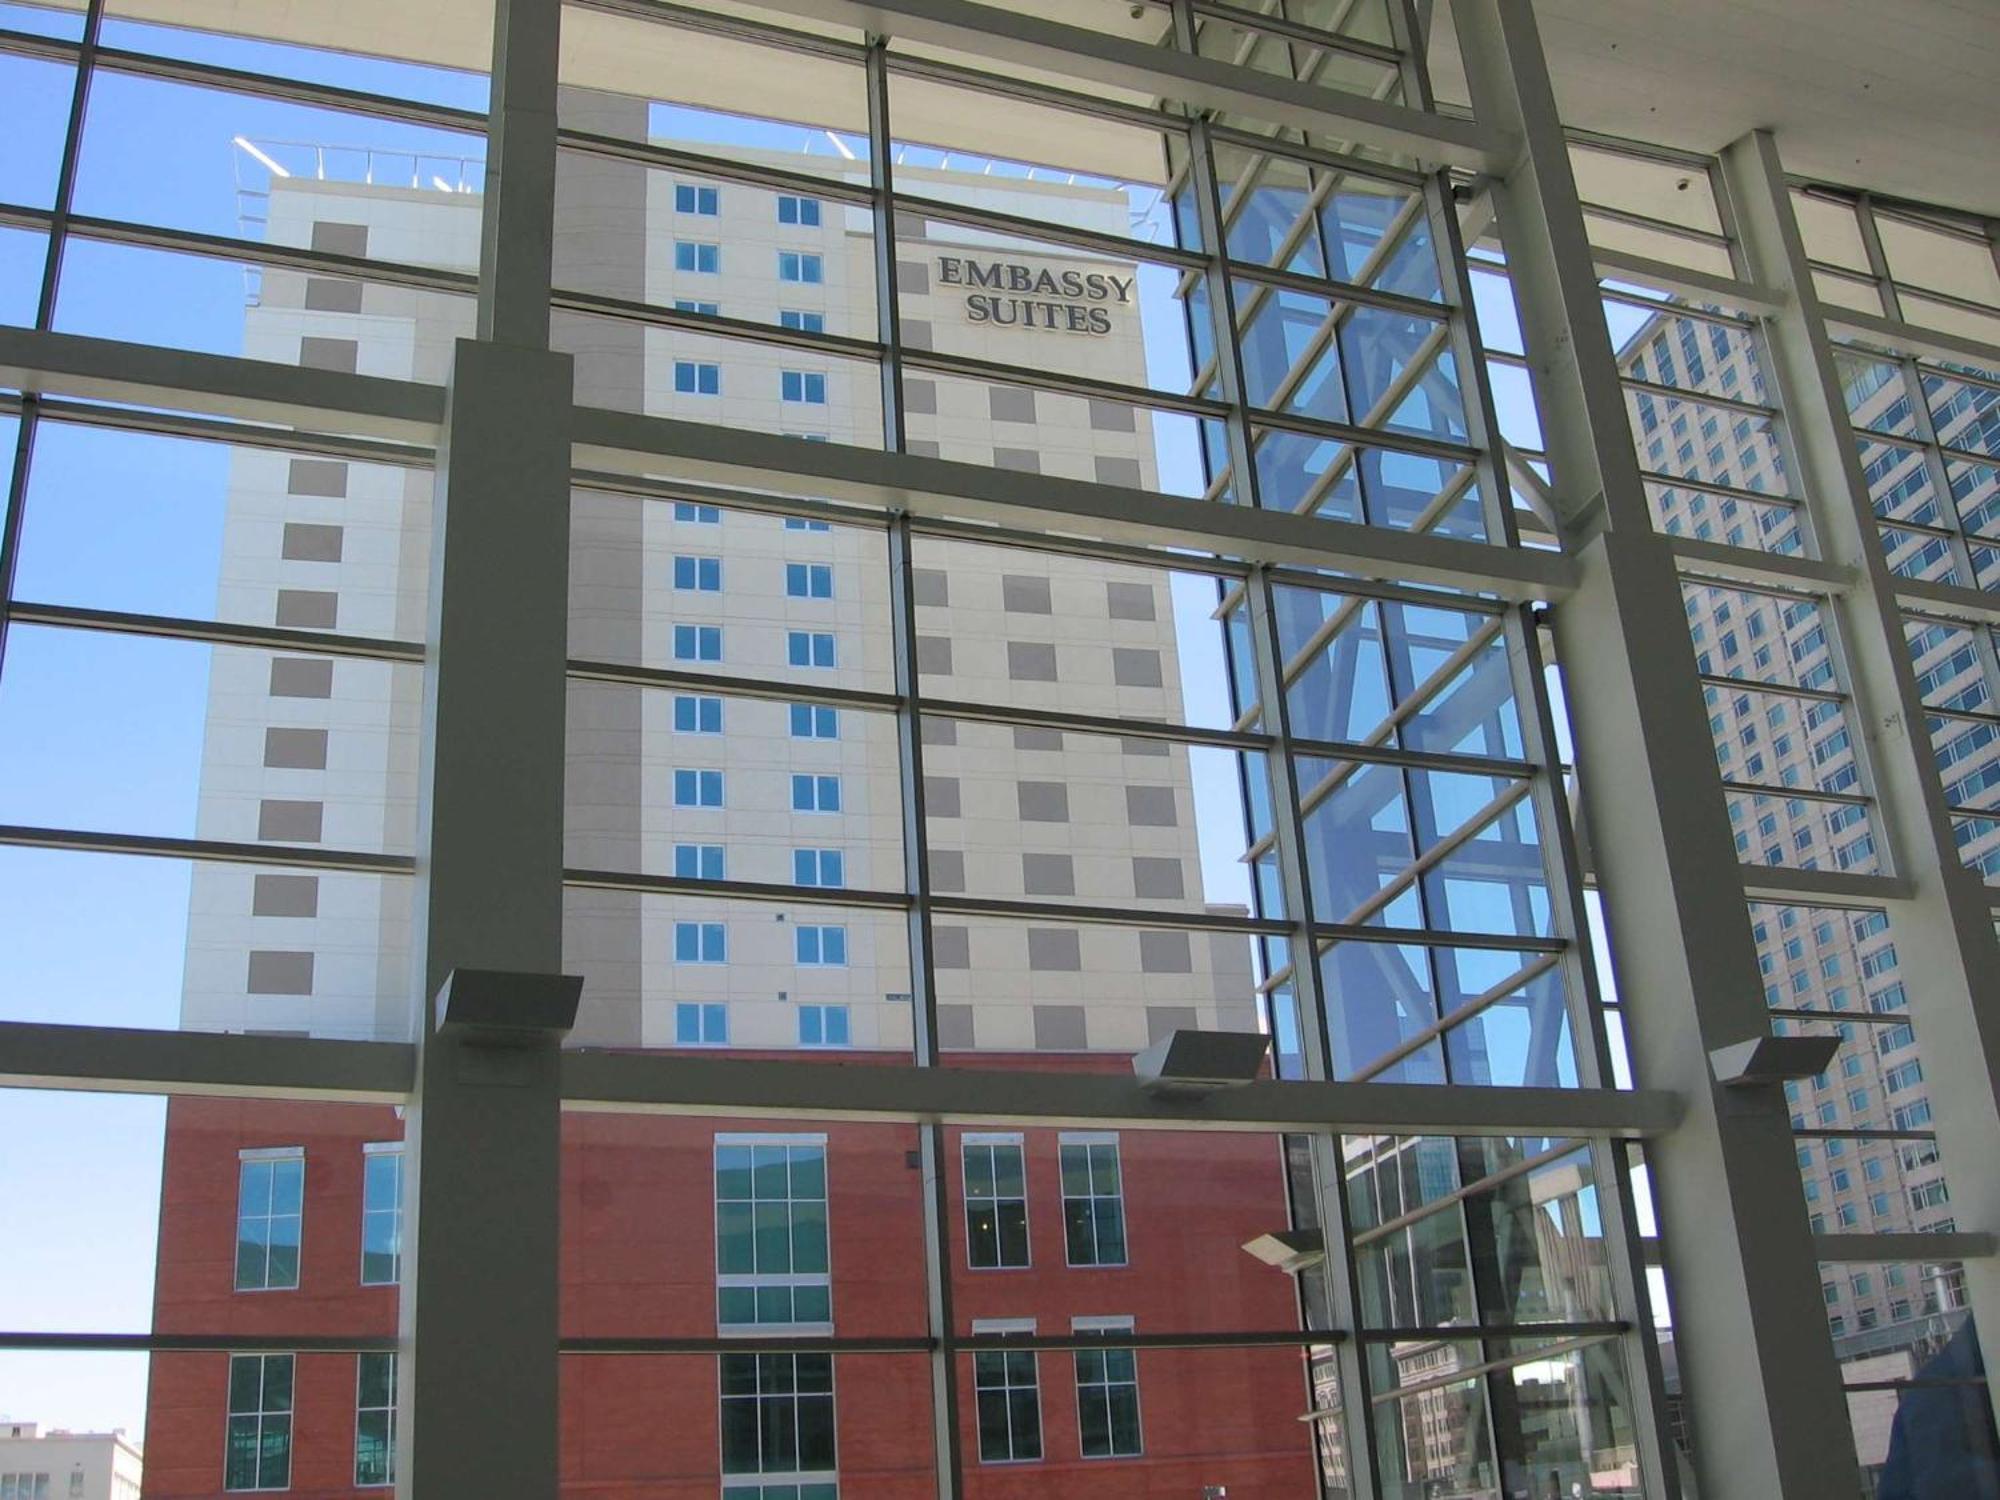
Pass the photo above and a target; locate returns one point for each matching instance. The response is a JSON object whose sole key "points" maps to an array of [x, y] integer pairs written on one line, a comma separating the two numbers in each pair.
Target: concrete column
{"points": [[1753, 1348], [1945, 944], [483, 1163]]}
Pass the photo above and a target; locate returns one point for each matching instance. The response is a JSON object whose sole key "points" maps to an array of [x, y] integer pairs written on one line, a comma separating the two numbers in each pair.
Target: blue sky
{"points": [[106, 731]]}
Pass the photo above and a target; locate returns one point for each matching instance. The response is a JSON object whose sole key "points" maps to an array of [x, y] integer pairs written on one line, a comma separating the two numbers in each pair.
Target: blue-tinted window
{"points": [[821, 946], [698, 861], [270, 1209], [700, 943], [809, 648], [697, 378], [771, 1263], [821, 867], [797, 265], [697, 715], [688, 304], [382, 1216], [1093, 1194], [697, 788], [805, 322], [799, 523], [809, 580], [815, 794], [701, 1024], [814, 721], [704, 515], [703, 574], [259, 1450], [796, 210], [802, 386], [697, 643], [690, 199], [823, 1026], [697, 255]]}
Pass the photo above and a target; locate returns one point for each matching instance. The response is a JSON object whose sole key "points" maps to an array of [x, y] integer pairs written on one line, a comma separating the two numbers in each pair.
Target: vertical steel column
{"points": [[14, 502], [1611, 1161], [882, 181], [1906, 365], [933, 1145], [478, 1384], [1343, 1291], [1768, 1414], [517, 236], [1944, 933]]}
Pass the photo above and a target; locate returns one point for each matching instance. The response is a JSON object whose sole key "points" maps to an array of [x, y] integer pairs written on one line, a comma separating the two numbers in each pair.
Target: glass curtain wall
{"points": [[1055, 571]]}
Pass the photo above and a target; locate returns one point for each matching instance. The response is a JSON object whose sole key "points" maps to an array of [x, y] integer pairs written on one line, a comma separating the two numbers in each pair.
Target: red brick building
{"points": [[641, 1246]]}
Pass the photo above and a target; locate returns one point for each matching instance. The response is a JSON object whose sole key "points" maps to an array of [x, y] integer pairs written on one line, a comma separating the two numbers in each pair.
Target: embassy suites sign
{"points": [[1013, 295]]}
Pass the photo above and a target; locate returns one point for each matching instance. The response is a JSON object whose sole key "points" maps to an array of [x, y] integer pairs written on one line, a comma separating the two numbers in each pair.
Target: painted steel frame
{"points": [[508, 371]]}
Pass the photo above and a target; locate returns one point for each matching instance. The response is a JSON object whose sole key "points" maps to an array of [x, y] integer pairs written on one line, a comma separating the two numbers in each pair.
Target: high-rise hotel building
{"points": [[1776, 717], [280, 1215]]}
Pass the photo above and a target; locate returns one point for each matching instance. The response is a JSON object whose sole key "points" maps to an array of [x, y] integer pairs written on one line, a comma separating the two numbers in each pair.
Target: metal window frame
{"points": [[508, 369]]}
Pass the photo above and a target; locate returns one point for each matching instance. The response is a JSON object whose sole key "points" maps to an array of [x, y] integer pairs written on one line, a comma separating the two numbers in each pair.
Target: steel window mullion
{"points": [[1699, 398], [290, 90], [1717, 487], [1340, 293], [1694, 313], [267, 253], [33, 44], [972, 215], [973, 368], [1674, 892], [719, 685], [846, 898], [1665, 227], [237, 434], [1803, 794], [1612, 1162], [303, 856], [763, 33], [712, 325], [215, 632], [1926, 439], [1184, 920], [1177, 734], [1030, 91], [1946, 927], [1312, 156], [13, 518], [1273, 24], [1339, 1277], [727, 169]]}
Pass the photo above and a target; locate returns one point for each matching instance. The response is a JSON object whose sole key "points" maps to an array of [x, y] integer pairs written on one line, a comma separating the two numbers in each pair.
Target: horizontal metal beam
{"points": [[628, 443], [1868, 1249], [664, 1083], [213, 632], [217, 851], [200, 1343], [220, 385], [1011, 38], [128, 1060], [1902, 338], [1726, 291], [1949, 599], [1790, 886]]}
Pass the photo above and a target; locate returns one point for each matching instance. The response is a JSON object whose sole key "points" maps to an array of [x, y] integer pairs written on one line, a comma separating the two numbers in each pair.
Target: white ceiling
{"points": [[1894, 95]]}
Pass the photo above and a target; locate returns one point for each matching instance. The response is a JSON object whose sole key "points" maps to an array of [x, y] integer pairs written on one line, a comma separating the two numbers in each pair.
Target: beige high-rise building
{"points": [[695, 783], [1772, 693]]}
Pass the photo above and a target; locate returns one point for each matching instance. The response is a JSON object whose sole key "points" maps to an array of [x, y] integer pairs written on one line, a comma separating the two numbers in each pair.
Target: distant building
{"points": [[1773, 694], [58, 1465]]}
